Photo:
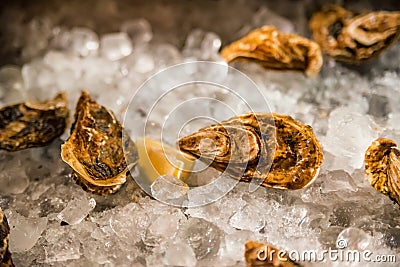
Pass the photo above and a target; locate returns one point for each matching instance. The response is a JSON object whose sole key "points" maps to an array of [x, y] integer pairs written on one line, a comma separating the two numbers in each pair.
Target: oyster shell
{"points": [[276, 50], [382, 167], [274, 149], [33, 123], [354, 38], [98, 148], [5, 255], [261, 254]]}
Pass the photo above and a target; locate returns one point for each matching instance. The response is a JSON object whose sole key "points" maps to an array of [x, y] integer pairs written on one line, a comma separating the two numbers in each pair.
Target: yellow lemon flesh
{"points": [[156, 159]]}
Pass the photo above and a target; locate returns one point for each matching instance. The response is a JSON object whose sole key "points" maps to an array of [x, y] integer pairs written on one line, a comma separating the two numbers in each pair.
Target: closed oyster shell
{"points": [[354, 38], [33, 123], [382, 167], [276, 50], [274, 149], [98, 148], [5, 255]]}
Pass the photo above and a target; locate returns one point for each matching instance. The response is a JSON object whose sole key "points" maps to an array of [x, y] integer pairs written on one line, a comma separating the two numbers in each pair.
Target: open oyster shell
{"points": [[276, 50], [98, 148], [32, 123], [5, 255], [382, 167], [353, 38], [274, 149]]}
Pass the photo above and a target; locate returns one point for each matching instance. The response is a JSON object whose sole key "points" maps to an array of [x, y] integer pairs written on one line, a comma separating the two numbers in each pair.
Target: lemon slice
{"points": [[156, 159]]}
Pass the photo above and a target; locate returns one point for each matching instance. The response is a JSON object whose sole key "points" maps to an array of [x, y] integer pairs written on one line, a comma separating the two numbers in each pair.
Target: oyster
{"points": [[98, 148], [259, 254], [33, 123], [274, 149], [382, 167], [353, 38], [276, 50], [5, 255]]}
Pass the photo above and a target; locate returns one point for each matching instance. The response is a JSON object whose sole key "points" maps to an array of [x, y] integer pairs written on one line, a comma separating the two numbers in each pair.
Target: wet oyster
{"points": [[276, 150], [353, 38], [264, 255], [33, 123], [5, 255], [382, 167], [276, 50], [98, 148]]}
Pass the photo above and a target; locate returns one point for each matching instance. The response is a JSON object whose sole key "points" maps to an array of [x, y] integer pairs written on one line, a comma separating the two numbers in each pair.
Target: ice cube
{"points": [[179, 254], [348, 137], [248, 218], [115, 46], [139, 30], [13, 178], [77, 209], [79, 41], [232, 249], [202, 45], [169, 189], [24, 232], [161, 229], [63, 245], [353, 238], [204, 237]]}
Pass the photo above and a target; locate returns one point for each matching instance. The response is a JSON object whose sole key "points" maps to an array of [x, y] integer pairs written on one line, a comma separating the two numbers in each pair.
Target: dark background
{"points": [[171, 20]]}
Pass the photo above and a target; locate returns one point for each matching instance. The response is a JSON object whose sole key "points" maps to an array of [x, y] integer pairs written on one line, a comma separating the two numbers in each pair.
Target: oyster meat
{"points": [[98, 148], [354, 38], [276, 50], [382, 167], [32, 123], [274, 149], [5, 255]]}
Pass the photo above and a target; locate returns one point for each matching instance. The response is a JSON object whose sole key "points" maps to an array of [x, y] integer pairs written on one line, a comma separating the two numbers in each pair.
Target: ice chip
{"points": [[77, 209], [139, 30], [179, 254], [13, 178], [353, 238], [25, 232], [248, 218], [202, 236], [168, 189], [161, 229], [349, 135], [115, 46]]}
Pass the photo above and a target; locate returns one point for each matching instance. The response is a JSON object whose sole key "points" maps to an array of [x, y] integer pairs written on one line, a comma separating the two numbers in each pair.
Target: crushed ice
{"points": [[53, 221]]}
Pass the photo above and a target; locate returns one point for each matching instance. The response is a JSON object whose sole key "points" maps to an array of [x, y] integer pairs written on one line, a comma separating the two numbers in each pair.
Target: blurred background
{"points": [[23, 22]]}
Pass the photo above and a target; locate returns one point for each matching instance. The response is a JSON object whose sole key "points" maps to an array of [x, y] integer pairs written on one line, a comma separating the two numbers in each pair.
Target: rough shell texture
{"points": [[382, 167], [274, 149], [353, 38], [33, 123], [259, 255], [5, 255], [276, 50], [98, 148]]}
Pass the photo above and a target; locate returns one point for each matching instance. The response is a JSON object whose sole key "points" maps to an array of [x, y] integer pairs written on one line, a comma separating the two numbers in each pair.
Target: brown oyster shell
{"points": [[274, 149], [276, 50], [5, 255], [382, 167], [354, 38], [98, 148], [32, 123], [259, 254]]}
